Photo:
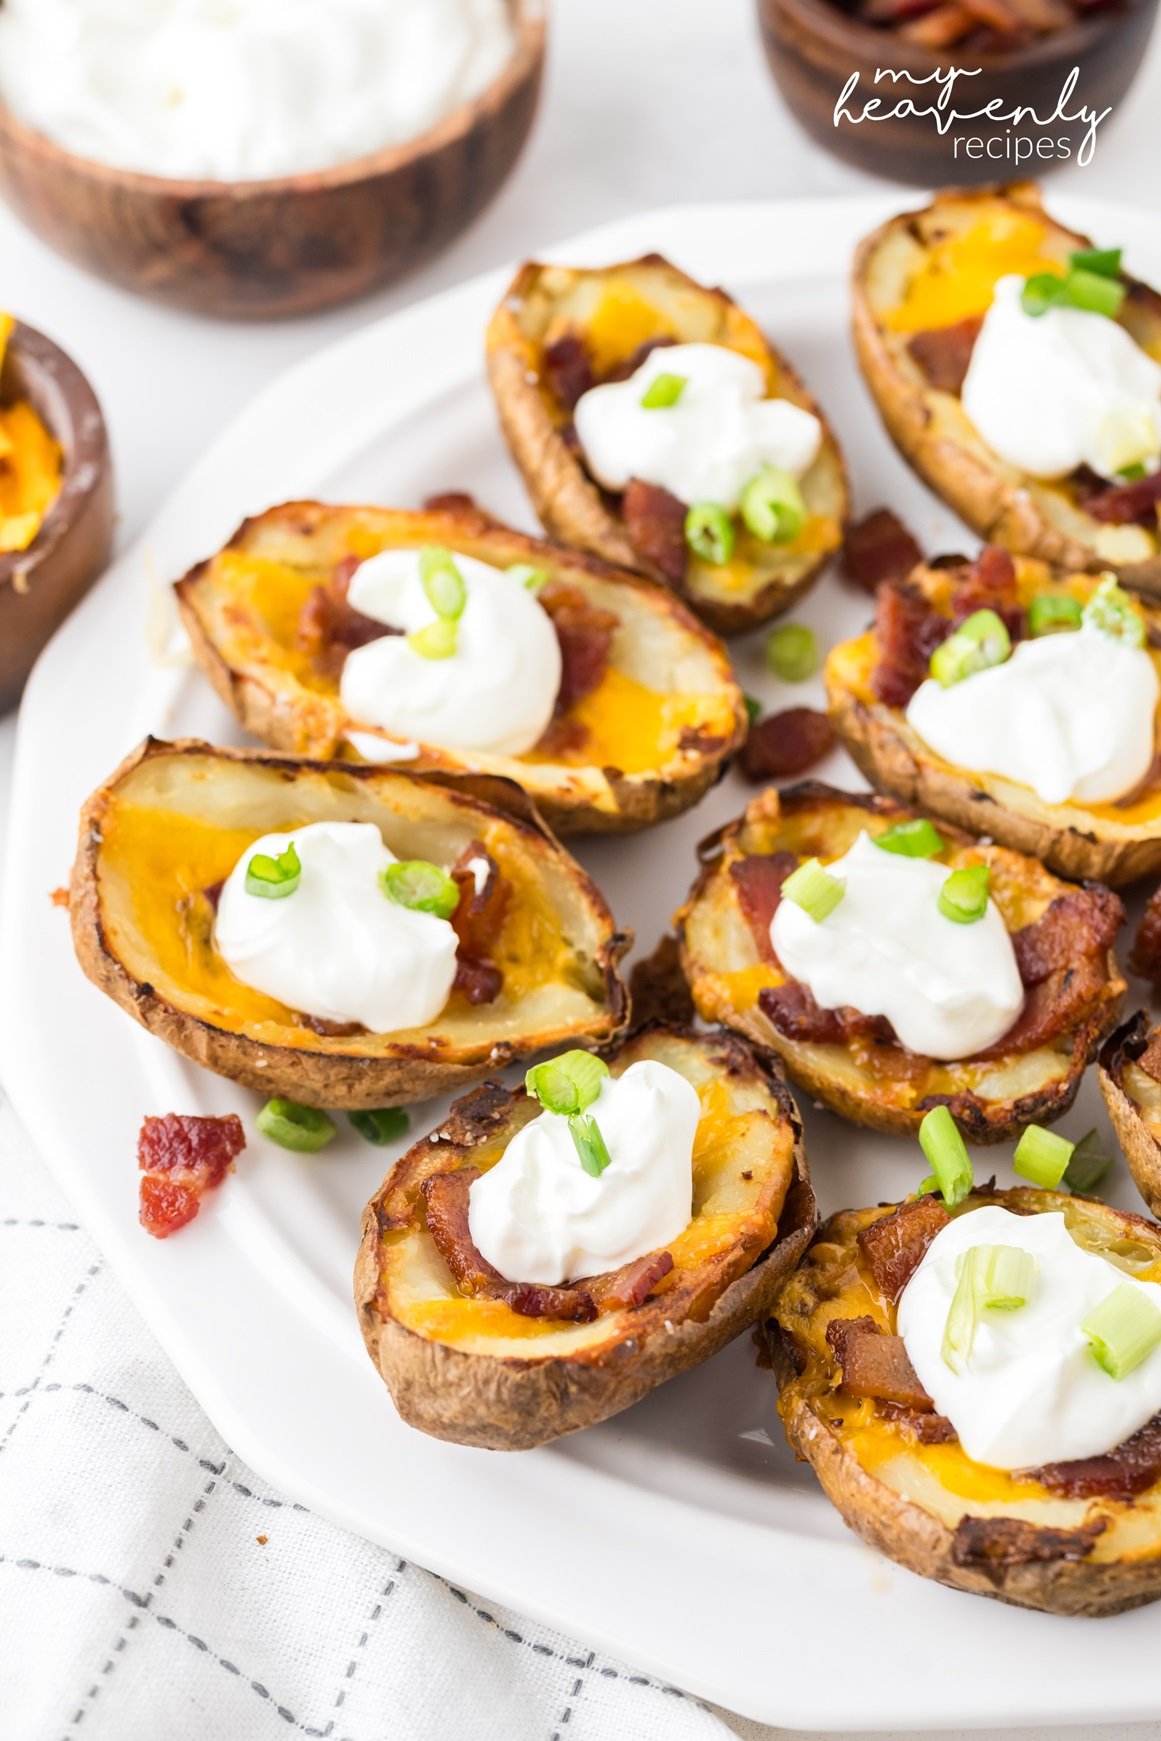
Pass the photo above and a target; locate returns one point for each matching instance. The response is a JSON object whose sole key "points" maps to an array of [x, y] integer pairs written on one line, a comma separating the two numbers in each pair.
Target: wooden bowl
{"points": [[813, 47], [257, 249], [39, 586]]}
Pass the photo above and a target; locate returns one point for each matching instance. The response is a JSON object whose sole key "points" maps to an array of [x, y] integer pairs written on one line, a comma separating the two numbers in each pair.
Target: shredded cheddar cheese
{"points": [[960, 271], [30, 466]]}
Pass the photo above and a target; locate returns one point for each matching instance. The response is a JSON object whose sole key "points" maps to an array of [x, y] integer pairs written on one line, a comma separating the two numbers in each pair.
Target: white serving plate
{"points": [[680, 1536]]}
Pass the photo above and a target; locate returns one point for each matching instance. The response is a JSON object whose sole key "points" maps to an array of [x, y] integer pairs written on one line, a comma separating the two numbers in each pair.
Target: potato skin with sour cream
{"points": [[927, 1505], [173, 820], [1114, 843], [473, 1371], [1038, 517], [614, 312], [652, 737], [869, 1082]]}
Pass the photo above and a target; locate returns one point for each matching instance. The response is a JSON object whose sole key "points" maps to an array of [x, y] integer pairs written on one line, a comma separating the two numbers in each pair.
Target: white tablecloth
{"points": [[151, 1587]]}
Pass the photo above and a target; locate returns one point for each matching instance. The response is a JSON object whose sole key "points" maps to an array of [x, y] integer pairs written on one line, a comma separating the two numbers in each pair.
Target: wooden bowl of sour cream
{"points": [[257, 249]]}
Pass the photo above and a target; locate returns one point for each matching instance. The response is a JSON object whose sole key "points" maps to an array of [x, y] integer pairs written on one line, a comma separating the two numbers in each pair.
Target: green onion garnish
{"points": [[443, 583], [589, 1144], [664, 391], [982, 640], [999, 1278], [272, 879], [792, 652], [917, 838], [1094, 292], [772, 507], [527, 575], [302, 1128], [1042, 1156], [709, 532], [1110, 609], [1050, 612], [947, 1155], [753, 709], [424, 887], [1132, 474], [381, 1124], [1090, 283], [1088, 1164], [1104, 261], [1123, 1330], [964, 895], [436, 640], [1044, 290], [813, 889], [568, 1084]]}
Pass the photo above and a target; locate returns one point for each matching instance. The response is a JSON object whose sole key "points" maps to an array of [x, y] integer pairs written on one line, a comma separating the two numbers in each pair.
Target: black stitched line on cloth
{"points": [[36, 1221], [353, 1665], [566, 1714], [50, 1355]]}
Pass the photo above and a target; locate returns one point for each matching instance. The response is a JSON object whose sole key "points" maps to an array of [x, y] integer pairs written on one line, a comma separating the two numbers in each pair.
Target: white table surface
{"points": [[647, 103]]}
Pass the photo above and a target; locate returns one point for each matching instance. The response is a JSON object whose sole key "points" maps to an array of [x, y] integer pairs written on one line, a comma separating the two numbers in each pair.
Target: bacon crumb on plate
{"points": [[181, 1157]]}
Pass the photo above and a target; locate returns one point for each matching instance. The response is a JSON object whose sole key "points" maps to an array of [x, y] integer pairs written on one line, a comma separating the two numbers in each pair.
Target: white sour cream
{"points": [[1069, 715], [239, 90], [1031, 1391], [948, 990], [338, 947], [707, 446], [498, 689], [537, 1216], [1066, 388]]}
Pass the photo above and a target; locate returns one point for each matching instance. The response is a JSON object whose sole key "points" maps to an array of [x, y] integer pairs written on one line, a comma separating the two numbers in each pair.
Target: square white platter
{"points": [[680, 1536]]}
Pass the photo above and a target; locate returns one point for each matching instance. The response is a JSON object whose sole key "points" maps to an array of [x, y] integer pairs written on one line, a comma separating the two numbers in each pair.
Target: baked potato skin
{"points": [[510, 1403], [570, 505], [928, 426], [275, 700], [1037, 1566], [719, 959], [316, 1070], [1133, 1100], [1076, 843]]}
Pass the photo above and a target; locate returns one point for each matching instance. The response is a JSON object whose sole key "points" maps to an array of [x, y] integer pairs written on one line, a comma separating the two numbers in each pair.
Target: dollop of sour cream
{"points": [[708, 445], [337, 948], [1065, 388], [498, 689], [537, 1216], [1031, 1391], [239, 90], [949, 990], [1069, 715]]}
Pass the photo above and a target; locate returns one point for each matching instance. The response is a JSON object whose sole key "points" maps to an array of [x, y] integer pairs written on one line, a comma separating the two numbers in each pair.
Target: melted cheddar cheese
{"points": [[958, 277], [30, 466]]}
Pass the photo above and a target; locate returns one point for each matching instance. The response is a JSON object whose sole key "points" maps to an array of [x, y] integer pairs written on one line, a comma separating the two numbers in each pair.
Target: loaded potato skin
{"points": [[559, 331], [1081, 1539], [1129, 1072], [470, 1368]]}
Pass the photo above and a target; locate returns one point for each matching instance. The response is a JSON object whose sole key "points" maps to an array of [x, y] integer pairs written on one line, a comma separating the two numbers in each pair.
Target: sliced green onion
{"points": [[1042, 1156], [1104, 261], [792, 652], [709, 532], [443, 583], [964, 895], [1088, 1164], [568, 1084], [527, 575], [1110, 609], [999, 1278], [982, 640], [302, 1128], [947, 1155], [1044, 290], [664, 391], [589, 1144], [959, 1332], [424, 887], [436, 640], [1094, 292], [917, 838], [1123, 1330], [1132, 474], [772, 507], [381, 1124], [272, 879], [1050, 612], [753, 709], [1082, 286], [813, 889]]}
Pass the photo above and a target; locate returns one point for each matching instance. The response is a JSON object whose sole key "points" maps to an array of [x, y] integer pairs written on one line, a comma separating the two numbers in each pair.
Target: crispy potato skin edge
{"points": [[1141, 1149]]}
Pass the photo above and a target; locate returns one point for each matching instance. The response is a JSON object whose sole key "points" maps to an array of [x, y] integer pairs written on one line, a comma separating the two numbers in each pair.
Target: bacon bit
{"points": [[658, 989], [879, 547], [758, 880], [1051, 1007], [922, 1424], [261, 1540], [328, 1029], [785, 744], [792, 1009], [894, 1246], [1145, 955], [989, 583], [585, 633], [213, 893], [655, 524], [908, 629], [1120, 1474], [568, 369], [182, 1157], [632, 1284], [1150, 1059], [629, 365], [944, 353], [875, 1364], [940, 28], [564, 737], [1134, 504], [446, 1198], [478, 921], [1082, 922], [1011, 1541], [60, 897], [329, 628]]}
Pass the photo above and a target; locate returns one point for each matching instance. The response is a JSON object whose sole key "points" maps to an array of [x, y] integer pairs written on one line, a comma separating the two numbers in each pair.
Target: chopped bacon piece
{"points": [[785, 744], [922, 1424], [1119, 1474], [629, 365], [1082, 922], [989, 583], [329, 628], [758, 880], [1052, 1006], [585, 633], [446, 1196], [1145, 955], [655, 524], [568, 369], [792, 1009], [894, 1246], [330, 1030], [658, 989], [940, 28], [478, 921], [632, 1283], [875, 1364], [908, 629], [945, 352], [181, 1157], [60, 898], [1134, 504], [1012, 1541], [1150, 1059], [879, 547]]}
